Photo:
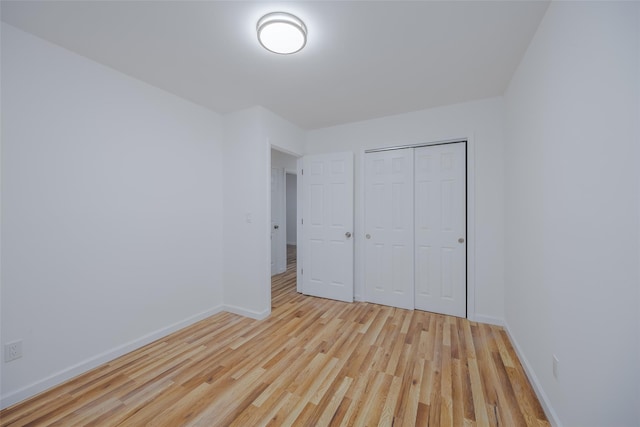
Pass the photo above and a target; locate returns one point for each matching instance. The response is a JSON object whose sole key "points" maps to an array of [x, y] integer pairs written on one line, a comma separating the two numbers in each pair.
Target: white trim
{"points": [[264, 291], [100, 359], [533, 379], [418, 145], [471, 226], [257, 315], [359, 292], [299, 229], [488, 319]]}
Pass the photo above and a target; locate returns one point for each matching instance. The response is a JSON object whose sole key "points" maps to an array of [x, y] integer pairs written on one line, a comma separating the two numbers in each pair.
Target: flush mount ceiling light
{"points": [[281, 32]]}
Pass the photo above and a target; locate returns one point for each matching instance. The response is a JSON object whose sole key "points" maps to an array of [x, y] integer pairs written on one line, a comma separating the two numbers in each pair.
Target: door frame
{"points": [[299, 230], [470, 238], [274, 145]]}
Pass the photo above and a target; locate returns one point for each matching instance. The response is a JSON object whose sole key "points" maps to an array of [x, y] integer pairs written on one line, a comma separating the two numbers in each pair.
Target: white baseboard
{"points": [[258, 315], [488, 319], [93, 362], [533, 379]]}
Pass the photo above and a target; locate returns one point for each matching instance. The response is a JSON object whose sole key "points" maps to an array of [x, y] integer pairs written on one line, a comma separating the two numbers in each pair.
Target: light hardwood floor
{"points": [[313, 362]]}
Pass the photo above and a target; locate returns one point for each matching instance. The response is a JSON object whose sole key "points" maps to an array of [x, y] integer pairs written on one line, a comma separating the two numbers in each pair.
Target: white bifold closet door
{"points": [[440, 229], [415, 225], [389, 228]]}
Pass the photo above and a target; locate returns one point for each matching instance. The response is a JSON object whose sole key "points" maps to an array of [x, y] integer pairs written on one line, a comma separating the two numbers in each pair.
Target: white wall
{"points": [[117, 227], [572, 195], [282, 135], [247, 212], [481, 121], [292, 208], [111, 213], [249, 136]]}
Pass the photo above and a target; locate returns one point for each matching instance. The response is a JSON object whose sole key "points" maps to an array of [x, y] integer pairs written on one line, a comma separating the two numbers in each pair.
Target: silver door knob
{"points": [[276, 227], [347, 234], [368, 236], [461, 240]]}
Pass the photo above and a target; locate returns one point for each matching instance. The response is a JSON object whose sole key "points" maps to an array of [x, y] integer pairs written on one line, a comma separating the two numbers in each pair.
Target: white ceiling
{"points": [[363, 59]]}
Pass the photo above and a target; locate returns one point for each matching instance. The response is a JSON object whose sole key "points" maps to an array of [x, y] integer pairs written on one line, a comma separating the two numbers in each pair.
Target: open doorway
{"points": [[284, 182]]}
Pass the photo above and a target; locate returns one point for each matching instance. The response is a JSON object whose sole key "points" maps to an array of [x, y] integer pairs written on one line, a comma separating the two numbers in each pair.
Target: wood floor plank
{"points": [[328, 407], [479, 402], [313, 362], [409, 406], [387, 416]]}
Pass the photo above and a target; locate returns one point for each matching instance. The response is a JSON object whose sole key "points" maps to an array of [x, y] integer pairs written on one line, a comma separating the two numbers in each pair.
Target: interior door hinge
{"points": [[302, 271], [302, 221], [301, 171]]}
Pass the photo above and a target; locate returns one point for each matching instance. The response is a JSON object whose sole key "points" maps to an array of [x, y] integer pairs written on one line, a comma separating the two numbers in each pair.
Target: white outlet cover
{"points": [[12, 351], [556, 362]]}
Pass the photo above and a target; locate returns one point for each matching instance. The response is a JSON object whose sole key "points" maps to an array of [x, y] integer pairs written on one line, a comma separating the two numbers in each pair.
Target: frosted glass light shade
{"points": [[282, 33]]}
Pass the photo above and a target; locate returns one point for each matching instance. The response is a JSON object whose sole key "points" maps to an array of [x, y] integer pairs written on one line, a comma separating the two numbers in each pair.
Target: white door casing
{"points": [[389, 236], [327, 226], [440, 229], [278, 225]]}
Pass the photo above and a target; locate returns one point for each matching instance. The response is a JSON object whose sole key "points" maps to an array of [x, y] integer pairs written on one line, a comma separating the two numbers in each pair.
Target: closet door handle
{"points": [[348, 234]]}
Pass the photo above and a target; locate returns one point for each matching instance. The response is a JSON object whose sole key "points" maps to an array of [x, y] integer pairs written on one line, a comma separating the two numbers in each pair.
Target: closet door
{"points": [[389, 232], [440, 229]]}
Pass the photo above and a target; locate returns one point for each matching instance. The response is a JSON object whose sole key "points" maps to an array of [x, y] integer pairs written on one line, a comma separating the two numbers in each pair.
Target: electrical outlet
{"points": [[12, 351], [556, 364]]}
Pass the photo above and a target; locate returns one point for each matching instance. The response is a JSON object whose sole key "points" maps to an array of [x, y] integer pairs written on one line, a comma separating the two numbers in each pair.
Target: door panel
{"points": [[389, 228], [440, 221], [327, 261], [278, 223]]}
